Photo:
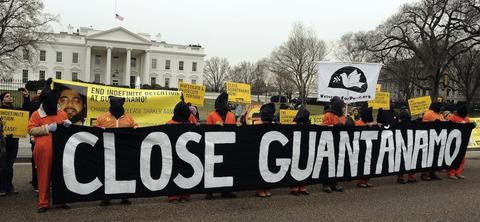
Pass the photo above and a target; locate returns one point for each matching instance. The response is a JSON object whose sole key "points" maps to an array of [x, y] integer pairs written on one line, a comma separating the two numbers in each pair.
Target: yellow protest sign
{"points": [[194, 94], [419, 105], [85, 102], [287, 116], [316, 119], [14, 122], [378, 87], [382, 100], [253, 114], [475, 137], [238, 92]]}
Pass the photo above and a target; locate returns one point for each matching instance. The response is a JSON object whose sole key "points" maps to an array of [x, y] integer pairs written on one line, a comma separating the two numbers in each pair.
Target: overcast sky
{"points": [[236, 29]]}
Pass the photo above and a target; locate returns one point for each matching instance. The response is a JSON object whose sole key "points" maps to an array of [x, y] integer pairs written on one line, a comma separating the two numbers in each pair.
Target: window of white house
{"points": [[167, 82], [132, 81], [25, 54], [41, 75], [98, 59], [58, 75], [59, 56], [167, 64], [180, 65], [153, 81], [97, 78], [24, 76], [74, 76], [115, 82], [194, 66], [180, 80], [194, 81], [75, 57], [133, 62], [154, 63], [43, 55]]}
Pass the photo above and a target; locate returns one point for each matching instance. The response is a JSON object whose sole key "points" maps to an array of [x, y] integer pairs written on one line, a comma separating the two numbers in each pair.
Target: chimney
{"points": [[70, 29]]}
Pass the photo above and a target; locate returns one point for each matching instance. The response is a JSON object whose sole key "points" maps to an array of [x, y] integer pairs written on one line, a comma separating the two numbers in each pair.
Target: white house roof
{"points": [[118, 34]]}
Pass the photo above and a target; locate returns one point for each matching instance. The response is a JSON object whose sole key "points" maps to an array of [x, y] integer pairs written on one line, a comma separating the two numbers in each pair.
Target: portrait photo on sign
{"points": [[73, 100]]}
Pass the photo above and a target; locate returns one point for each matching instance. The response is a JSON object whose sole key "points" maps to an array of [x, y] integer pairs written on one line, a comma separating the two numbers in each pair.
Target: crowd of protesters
{"points": [[46, 114]]}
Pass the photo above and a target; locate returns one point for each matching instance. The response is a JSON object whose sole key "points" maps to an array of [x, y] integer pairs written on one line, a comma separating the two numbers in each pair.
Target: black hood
{"points": [[436, 107], [48, 99], [267, 113], [366, 115], [462, 109], [302, 117], [404, 115], [181, 112], [336, 106], [221, 105], [116, 106]]}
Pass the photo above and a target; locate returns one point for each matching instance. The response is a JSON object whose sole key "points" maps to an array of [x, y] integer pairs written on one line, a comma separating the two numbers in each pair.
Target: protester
{"points": [[194, 116], [432, 115], [366, 119], [267, 115], [181, 115], [334, 116], [355, 113], [221, 116], [302, 118], [35, 105], [387, 117], [116, 117], [3, 155], [459, 116], [42, 124], [11, 144], [405, 117]]}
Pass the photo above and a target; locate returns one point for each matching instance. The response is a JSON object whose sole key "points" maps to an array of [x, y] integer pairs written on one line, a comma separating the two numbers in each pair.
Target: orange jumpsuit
{"points": [[192, 119], [330, 119], [457, 119], [107, 120], [184, 196], [431, 116], [43, 150], [215, 119]]}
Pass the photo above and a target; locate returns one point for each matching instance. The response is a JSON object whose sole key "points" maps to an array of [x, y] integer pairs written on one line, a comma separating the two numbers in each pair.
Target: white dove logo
{"points": [[350, 78]]}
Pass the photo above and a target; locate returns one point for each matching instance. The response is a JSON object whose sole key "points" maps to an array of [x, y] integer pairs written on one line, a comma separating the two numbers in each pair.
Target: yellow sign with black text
{"points": [[238, 92], [419, 105], [378, 87], [85, 102], [15, 122], [287, 116], [382, 100], [192, 93], [475, 137], [316, 119]]}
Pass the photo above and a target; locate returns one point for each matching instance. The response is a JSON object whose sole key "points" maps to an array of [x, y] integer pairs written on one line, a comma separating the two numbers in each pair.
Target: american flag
{"points": [[117, 16]]}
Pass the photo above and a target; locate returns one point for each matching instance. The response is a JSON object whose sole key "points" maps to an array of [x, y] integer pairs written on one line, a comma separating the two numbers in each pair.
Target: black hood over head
{"points": [[267, 113], [366, 115], [404, 115], [181, 112], [48, 99], [116, 106], [436, 107], [336, 106], [221, 105], [302, 117], [462, 109]]}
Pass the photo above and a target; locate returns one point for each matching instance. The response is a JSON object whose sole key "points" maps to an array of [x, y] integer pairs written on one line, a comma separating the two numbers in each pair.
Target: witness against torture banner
{"points": [[85, 102], [92, 164]]}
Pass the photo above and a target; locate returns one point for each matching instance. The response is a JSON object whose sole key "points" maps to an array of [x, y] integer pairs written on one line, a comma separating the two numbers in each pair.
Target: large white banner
{"points": [[353, 82]]}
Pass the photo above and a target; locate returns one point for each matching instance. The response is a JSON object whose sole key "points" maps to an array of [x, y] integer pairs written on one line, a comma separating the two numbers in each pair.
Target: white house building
{"points": [[116, 56]]}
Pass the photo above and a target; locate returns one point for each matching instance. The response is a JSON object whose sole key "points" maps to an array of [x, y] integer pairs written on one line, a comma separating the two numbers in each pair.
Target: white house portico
{"points": [[116, 56]]}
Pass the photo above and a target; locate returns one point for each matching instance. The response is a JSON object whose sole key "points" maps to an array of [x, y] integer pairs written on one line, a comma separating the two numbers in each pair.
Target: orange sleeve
{"points": [[360, 123], [192, 119], [327, 119], [133, 123], [210, 119], [34, 121], [467, 120], [427, 117], [230, 118]]}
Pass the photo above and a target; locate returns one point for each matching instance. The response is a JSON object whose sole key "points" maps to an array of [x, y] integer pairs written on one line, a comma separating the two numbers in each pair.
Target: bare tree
{"points": [[466, 74], [350, 49], [295, 60], [434, 31], [22, 26], [215, 73], [242, 73]]}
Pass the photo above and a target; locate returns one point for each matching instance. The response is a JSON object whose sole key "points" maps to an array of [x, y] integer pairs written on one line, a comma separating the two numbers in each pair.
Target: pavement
{"points": [[446, 200]]}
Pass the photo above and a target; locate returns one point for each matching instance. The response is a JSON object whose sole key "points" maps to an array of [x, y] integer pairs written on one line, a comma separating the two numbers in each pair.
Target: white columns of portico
{"points": [[126, 78], [87, 63], [108, 72], [146, 68]]}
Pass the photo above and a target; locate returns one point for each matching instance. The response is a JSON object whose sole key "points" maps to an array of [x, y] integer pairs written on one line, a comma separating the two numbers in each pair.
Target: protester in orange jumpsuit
{"points": [[302, 118], [42, 124], [459, 116], [267, 116], [334, 116], [181, 115], [117, 117], [432, 115], [221, 116], [366, 119], [405, 117]]}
